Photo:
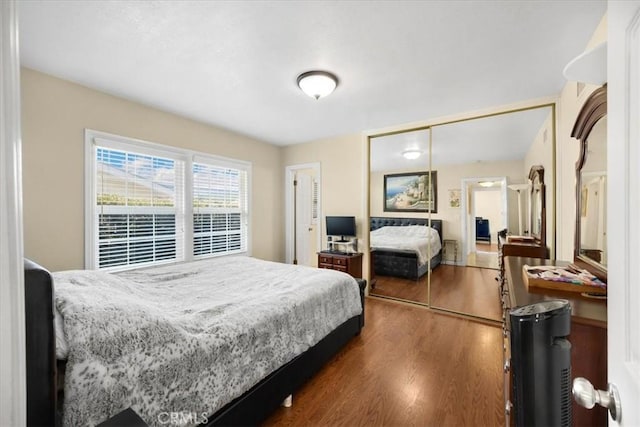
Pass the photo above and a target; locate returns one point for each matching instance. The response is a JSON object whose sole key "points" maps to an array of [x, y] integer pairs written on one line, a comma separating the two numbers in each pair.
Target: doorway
{"points": [[303, 231], [486, 214]]}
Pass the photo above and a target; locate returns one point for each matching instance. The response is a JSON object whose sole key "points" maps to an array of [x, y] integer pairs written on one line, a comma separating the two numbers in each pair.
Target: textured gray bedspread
{"points": [[189, 338]]}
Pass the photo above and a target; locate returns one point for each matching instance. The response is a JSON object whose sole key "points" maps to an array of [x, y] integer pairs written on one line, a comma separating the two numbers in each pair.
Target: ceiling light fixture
{"points": [[317, 84], [486, 184], [411, 154]]}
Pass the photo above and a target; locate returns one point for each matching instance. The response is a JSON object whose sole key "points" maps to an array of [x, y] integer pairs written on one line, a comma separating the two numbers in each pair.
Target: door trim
{"points": [[623, 196], [13, 406]]}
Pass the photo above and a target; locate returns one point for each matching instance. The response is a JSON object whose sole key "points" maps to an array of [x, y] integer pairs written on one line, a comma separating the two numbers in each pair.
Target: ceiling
{"points": [[495, 138], [233, 64]]}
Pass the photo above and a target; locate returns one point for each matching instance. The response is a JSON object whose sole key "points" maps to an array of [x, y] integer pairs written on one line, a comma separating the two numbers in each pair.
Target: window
{"points": [[137, 206], [219, 209], [150, 204]]}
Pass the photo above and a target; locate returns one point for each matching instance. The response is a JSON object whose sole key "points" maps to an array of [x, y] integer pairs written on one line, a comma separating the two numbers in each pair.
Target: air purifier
{"points": [[541, 364]]}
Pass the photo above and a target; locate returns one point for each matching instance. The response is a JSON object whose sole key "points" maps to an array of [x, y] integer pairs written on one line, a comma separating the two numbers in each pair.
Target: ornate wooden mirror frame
{"points": [[594, 109], [536, 176]]}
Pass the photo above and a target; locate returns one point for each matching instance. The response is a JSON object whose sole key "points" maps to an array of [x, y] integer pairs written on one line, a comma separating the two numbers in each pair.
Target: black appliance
{"points": [[541, 364]]}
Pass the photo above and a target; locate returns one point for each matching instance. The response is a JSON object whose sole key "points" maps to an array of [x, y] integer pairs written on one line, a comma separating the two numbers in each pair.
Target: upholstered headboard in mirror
{"points": [[590, 247]]}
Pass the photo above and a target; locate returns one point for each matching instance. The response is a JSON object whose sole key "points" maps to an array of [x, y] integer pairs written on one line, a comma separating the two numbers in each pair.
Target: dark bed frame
{"points": [[251, 408], [399, 262]]}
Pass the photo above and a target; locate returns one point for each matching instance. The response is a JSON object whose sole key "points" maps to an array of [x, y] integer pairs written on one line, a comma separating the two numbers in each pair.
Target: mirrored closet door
{"points": [[401, 197], [474, 174]]}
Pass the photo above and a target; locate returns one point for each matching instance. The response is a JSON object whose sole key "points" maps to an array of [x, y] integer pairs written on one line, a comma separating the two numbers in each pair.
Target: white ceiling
{"points": [[496, 138], [234, 64]]}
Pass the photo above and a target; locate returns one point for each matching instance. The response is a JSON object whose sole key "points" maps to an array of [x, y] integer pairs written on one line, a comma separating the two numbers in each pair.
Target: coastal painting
{"points": [[411, 192]]}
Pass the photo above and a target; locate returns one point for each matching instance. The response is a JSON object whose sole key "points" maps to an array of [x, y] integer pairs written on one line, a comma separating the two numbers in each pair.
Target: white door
{"points": [[303, 218], [623, 222], [302, 210]]}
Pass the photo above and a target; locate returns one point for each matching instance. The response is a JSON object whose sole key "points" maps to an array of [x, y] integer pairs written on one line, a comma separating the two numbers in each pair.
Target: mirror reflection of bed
{"points": [[403, 251], [476, 160]]}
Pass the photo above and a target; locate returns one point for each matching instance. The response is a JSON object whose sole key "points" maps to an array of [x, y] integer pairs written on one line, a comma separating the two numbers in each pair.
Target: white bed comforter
{"points": [[190, 337], [423, 240]]}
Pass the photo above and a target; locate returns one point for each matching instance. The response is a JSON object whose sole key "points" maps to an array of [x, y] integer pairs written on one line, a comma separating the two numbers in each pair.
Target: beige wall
{"points": [[55, 114], [567, 148], [341, 170], [540, 153]]}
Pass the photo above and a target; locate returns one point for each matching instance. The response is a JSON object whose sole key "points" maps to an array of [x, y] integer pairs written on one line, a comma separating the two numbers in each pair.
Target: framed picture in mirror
{"points": [[411, 192]]}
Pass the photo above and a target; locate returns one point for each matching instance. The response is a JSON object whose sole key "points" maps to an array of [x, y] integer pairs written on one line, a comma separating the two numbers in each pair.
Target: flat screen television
{"points": [[343, 226]]}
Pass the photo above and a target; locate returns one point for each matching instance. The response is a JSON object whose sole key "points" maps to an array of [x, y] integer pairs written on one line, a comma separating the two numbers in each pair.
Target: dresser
{"points": [[588, 334], [509, 247], [348, 263]]}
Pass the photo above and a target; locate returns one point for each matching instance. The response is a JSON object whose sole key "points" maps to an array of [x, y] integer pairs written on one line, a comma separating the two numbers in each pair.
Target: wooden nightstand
{"points": [[448, 245], [347, 263]]}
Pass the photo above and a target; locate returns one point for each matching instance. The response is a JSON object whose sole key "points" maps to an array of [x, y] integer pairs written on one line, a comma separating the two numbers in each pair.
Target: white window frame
{"points": [[184, 217]]}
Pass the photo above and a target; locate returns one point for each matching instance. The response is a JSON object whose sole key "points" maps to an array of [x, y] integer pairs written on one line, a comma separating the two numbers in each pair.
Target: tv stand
{"points": [[347, 246]]}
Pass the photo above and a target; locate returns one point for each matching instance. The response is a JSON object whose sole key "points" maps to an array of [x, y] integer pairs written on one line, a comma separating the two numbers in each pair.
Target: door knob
{"points": [[586, 395]]}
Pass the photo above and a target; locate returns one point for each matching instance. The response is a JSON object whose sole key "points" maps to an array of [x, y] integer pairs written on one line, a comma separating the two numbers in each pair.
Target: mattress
{"points": [[189, 337], [423, 240]]}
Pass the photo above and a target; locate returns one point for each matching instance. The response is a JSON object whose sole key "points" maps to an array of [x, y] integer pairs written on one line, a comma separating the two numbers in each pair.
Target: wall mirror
{"points": [[483, 157], [537, 200], [401, 198], [475, 161], [590, 250]]}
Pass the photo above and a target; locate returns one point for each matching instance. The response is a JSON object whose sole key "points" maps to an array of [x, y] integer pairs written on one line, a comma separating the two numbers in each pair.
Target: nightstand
{"points": [[345, 262], [453, 244]]}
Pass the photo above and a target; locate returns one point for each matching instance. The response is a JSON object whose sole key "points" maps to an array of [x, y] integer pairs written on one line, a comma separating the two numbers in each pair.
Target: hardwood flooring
{"points": [[464, 289], [409, 367], [487, 247], [407, 289], [483, 260]]}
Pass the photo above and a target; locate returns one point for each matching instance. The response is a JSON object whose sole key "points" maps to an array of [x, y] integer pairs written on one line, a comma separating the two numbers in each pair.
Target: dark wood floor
{"points": [[487, 247], [410, 366], [410, 290], [464, 289]]}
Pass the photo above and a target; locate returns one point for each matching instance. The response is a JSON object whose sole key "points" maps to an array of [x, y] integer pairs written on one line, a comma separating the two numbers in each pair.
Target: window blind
{"points": [[138, 199], [220, 209], [148, 203]]}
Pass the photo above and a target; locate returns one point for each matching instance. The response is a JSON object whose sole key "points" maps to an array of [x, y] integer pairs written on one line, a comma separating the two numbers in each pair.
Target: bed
{"points": [[148, 355], [402, 260]]}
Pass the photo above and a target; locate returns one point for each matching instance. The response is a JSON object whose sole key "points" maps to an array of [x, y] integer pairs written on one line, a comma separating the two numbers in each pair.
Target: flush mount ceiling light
{"points": [[317, 84], [411, 154], [486, 184]]}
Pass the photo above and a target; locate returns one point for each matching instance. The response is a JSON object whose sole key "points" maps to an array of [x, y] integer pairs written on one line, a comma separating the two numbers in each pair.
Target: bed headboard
{"points": [[40, 345], [379, 221]]}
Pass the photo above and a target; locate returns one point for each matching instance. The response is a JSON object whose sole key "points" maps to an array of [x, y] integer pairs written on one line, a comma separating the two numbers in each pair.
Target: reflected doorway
{"points": [[486, 214]]}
